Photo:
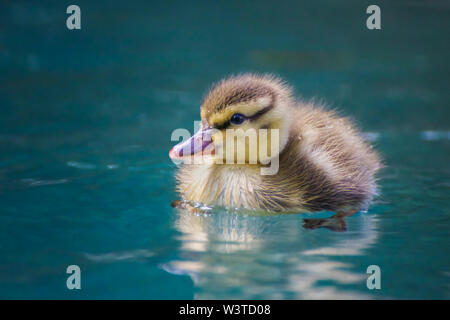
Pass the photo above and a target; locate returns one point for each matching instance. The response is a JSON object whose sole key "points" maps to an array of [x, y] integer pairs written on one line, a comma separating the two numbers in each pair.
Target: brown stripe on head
{"points": [[239, 91]]}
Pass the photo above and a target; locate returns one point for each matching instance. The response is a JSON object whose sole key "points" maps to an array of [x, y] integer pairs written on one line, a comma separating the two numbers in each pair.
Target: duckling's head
{"points": [[235, 114]]}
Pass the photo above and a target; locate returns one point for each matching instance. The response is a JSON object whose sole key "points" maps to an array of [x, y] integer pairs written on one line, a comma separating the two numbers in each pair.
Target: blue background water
{"points": [[85, 124]]}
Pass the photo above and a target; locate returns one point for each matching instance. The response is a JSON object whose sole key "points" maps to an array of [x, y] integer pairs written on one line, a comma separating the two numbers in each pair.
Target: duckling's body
{"points": [[324, 163]]}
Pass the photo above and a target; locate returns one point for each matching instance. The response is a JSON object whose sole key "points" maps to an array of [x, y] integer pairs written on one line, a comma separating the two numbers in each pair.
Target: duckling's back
{"points": [[328, 161]]}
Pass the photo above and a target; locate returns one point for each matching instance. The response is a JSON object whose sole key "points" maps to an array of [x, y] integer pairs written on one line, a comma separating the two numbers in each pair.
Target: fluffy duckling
{"points": [[323, 161]]}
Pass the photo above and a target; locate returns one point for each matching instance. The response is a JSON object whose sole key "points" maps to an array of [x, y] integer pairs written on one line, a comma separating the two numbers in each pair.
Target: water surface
{"points": [[85, 124]]}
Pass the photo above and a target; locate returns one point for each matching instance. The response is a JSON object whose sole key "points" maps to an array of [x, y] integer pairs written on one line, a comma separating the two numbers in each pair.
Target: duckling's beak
{"points": [[199, 143]]}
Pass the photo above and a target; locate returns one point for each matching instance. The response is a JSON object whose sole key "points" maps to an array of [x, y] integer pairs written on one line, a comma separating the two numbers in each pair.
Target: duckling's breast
{"points": [[230, 186]]}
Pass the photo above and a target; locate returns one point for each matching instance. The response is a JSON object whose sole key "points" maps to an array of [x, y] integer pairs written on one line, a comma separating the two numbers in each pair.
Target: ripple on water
{"points": [[38, 183], [371, 136], [119, 256], [89, 166], [80, 165], [435, 135]]}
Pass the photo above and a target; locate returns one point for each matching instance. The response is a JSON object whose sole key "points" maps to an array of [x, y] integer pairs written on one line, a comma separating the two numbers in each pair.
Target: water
{"points": [[85, 124]]}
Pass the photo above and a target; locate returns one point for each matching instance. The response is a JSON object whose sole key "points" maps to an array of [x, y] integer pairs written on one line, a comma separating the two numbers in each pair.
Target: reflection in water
{"points": [[228, 255], [119, 256]]}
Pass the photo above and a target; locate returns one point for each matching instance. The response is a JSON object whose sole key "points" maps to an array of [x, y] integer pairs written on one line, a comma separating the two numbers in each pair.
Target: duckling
{"points": [[323, 162]]}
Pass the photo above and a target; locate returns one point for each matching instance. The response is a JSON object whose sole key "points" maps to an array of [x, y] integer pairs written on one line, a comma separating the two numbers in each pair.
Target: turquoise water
{"points": [[85, 124]]}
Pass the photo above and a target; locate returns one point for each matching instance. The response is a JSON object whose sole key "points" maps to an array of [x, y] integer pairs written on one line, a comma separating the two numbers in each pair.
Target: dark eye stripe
{"points": [[260, 112], [253, 117], [224, 125]]}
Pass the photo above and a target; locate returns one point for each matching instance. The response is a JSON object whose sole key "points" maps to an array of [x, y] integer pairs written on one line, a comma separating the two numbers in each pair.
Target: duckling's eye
{"points": [[237, 118]]}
